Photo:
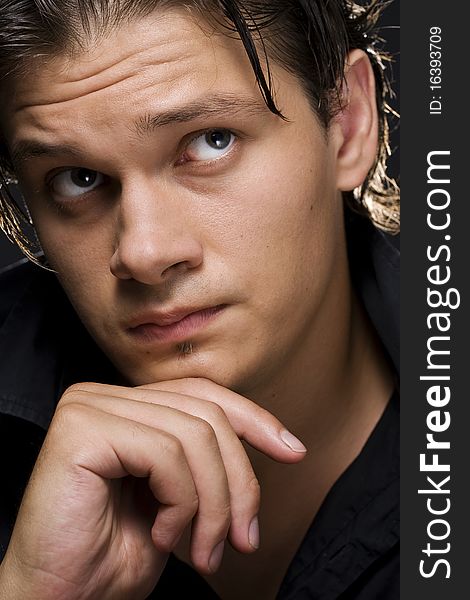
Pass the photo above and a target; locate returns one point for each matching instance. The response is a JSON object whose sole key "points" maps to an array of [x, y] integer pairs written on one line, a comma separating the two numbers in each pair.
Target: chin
{"points": [[186, 364]]}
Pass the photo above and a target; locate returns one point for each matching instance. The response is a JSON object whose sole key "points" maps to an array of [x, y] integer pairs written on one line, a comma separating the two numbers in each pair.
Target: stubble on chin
{"points": [[185, 348]]}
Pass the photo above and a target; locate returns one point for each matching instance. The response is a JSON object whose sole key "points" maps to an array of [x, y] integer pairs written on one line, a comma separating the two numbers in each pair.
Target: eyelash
{"points": [[194, 164], [199, 134]]}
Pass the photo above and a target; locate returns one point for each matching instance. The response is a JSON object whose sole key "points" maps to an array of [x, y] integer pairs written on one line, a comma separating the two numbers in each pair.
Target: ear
{"points": [[355, 128]]}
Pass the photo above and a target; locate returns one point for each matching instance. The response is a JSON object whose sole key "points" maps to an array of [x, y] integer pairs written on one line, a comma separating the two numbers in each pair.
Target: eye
{"points": [[75, 182], [210, 145]]}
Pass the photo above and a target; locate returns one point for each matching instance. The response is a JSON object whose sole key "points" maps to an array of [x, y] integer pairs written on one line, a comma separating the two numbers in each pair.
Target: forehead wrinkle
{"points": [[132, 56], [89, 90], [123, 43], [75, 96], [86, 74], [159, 54], [220, 104]]}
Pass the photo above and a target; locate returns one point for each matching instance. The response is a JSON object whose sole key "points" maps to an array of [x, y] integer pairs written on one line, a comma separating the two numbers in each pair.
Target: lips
{"points": [[172, 326]]}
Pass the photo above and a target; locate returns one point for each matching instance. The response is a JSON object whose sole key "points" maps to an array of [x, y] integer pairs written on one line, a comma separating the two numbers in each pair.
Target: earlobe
{"points": [[357, 124]]}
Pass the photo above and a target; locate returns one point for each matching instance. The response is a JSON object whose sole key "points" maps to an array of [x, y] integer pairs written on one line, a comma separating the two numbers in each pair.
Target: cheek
{"points": [[72, 252], [280, 216], [288, 250], [81, 260]]}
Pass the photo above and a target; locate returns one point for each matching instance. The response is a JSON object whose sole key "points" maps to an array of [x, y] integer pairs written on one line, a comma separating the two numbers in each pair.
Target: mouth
{"points": [[176, 326]]}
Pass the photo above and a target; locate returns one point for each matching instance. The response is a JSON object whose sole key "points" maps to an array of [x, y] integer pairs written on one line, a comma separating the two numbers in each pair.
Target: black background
{"points": [[390, 32]]}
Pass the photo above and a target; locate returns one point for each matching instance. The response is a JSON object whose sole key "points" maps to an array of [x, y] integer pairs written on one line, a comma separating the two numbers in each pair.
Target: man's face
{"points": [[160, 185]]}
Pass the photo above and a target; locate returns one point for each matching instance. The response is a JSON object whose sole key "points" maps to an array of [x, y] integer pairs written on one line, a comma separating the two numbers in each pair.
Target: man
{"points": [[218, 390]]}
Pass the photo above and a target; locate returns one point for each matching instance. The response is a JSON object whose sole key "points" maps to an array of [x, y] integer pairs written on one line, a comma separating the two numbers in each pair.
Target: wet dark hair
{"points": [[309, 38]]}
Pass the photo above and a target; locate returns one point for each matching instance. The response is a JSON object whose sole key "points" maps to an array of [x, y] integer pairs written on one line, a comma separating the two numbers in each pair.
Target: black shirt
{"points": [[350, 551]]}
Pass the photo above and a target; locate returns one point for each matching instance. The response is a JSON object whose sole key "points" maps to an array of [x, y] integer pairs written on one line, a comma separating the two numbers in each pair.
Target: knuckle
{"points": [[203, 430], [163, 534], [215, 413], [172, 447], [70, 412], [73, 391], [163, 543], [220, 514], [67, 424]]}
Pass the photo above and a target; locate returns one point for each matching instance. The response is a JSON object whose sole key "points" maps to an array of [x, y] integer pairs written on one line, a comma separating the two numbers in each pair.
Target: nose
{"points": [[154, 237]]}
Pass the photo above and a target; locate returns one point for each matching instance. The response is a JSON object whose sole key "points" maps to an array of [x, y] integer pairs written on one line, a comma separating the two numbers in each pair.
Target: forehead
{"points": [[161, 60], [163, 41]]}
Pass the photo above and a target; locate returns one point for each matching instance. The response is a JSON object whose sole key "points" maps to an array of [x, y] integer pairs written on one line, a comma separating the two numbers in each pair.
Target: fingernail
{"points": [[216, 557], [253, 533], [290, 440]]}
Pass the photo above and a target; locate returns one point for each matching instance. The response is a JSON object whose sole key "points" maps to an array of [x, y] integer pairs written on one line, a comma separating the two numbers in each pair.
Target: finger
{"points": [[203, 456], [251, 423], [243, 483], [110, 447], [223, 475]]}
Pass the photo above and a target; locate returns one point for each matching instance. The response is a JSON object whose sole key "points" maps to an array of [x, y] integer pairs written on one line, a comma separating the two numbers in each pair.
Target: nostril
{"points": [[117, 268], [176, 268], [151, 256]]}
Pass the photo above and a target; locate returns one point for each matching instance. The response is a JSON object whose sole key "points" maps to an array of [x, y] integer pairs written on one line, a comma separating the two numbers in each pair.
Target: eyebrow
{"points": [[27, 149], [217, 105]]}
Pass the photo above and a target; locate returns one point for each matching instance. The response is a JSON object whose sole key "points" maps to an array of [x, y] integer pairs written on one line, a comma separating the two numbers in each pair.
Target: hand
{"points": [[123, 472]]}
